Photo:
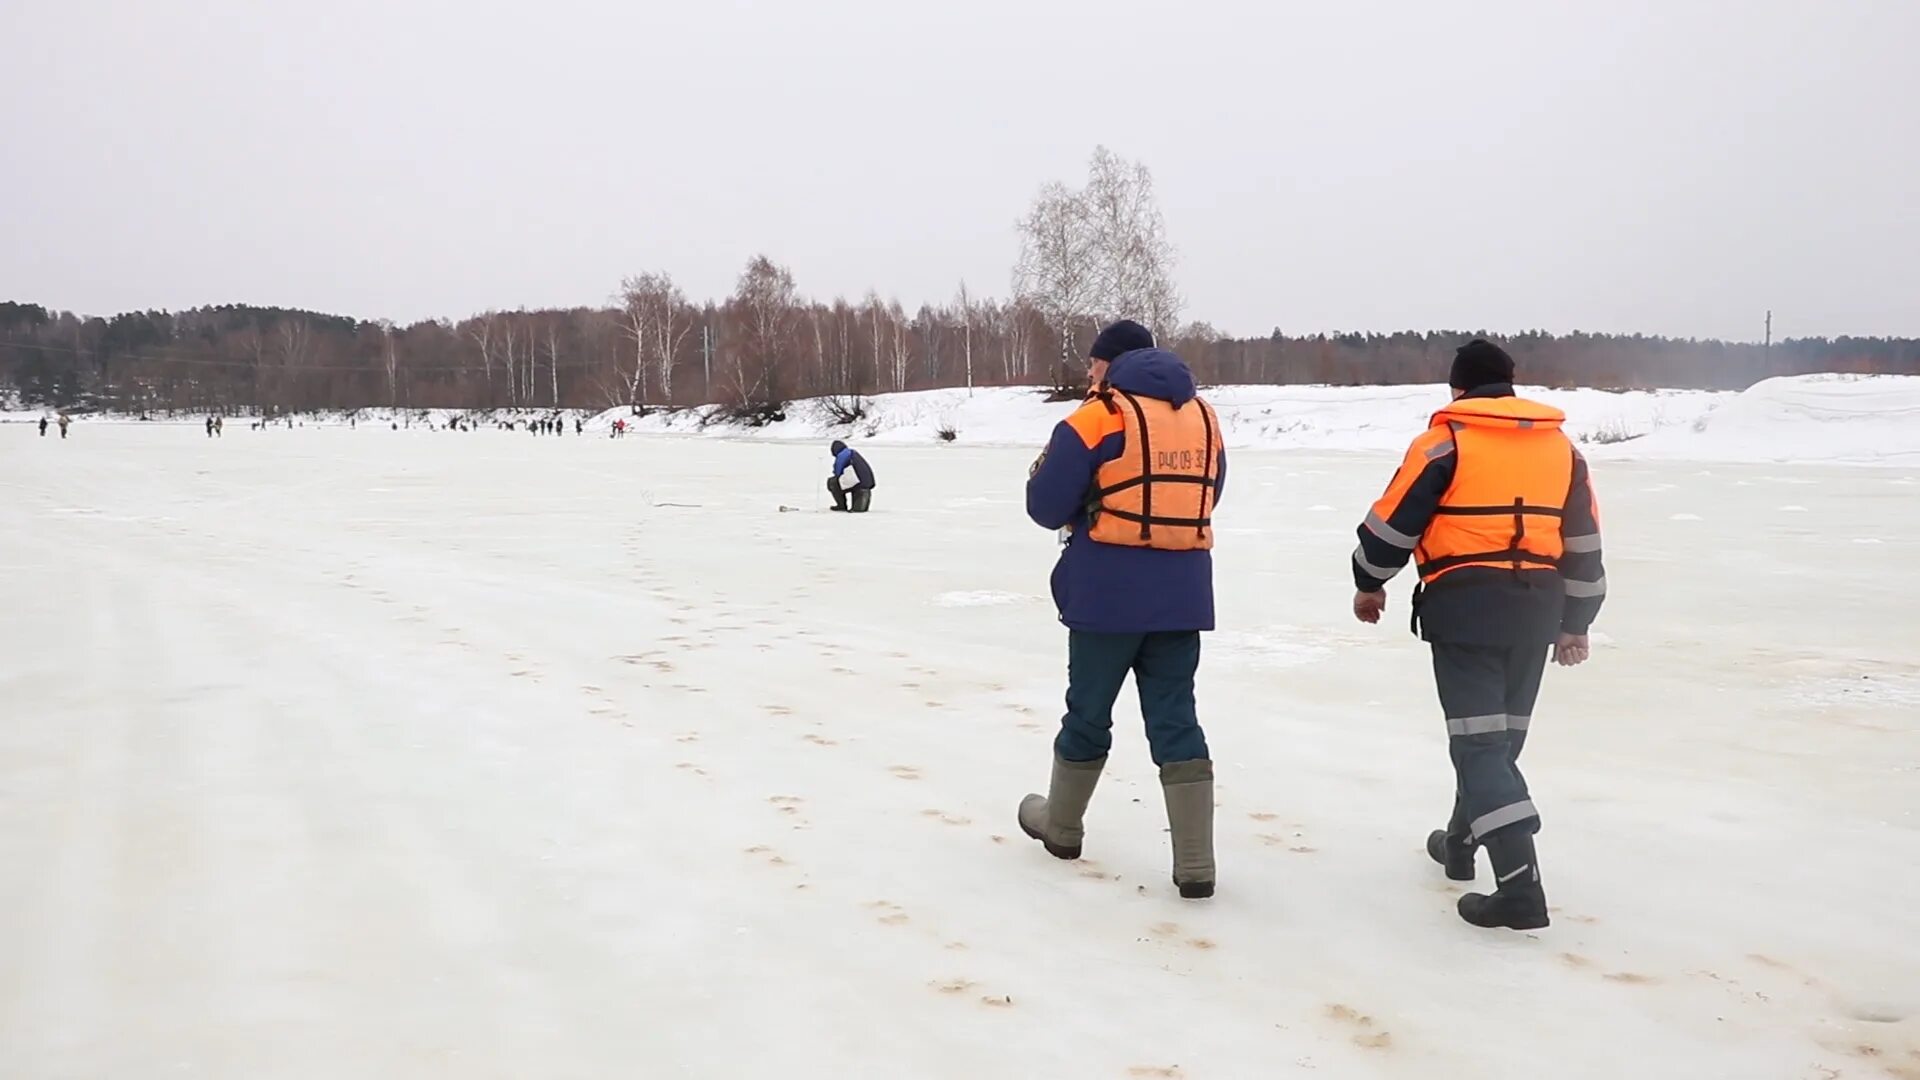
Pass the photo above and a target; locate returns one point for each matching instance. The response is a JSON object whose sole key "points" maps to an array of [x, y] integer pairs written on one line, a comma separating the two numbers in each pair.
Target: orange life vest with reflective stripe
{"points": [[1513, 470], [1159, 492]]}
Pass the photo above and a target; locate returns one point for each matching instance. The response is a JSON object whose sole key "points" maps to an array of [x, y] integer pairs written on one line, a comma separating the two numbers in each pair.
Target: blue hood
{"points": [[1154, 373]]}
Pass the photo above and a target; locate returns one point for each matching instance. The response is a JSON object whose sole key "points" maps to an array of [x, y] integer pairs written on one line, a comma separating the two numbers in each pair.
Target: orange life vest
{"points": [[1159, 492], [1512, 473]]}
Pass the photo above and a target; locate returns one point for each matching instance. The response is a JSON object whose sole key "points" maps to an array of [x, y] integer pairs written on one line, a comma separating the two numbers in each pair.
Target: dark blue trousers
{"points": [[1163, 666]]}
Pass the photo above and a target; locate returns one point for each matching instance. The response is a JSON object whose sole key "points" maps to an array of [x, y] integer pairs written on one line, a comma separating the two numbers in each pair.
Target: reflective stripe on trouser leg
{"points": [[1510, 814], [1477, 725]]}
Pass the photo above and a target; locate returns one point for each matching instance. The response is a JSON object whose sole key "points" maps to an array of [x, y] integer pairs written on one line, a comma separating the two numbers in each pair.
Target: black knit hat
{"points": [[1478, 363], [836, 447], [1122, 337]]}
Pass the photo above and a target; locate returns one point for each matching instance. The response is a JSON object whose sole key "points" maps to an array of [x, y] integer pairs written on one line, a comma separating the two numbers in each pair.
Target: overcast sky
{"points": [[1669, 167]]}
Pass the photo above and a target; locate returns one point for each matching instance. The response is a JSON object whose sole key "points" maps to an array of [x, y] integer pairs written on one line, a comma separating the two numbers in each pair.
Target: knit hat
{"points": [[1478, 363], [1122, 337], [836, 447]]}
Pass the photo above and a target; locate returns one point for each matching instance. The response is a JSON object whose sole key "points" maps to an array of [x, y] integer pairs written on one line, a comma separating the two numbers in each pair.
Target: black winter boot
{"points": [[1519, 903], [1456, 857]]}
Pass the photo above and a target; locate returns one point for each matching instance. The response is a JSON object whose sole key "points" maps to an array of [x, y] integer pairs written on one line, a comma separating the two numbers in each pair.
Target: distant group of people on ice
{"points": [[1491, 505], [64, 421]]}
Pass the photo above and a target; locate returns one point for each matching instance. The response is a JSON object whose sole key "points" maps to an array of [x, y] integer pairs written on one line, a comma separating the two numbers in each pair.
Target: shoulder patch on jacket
{"points": [[1435, 442], [1093, 422]]}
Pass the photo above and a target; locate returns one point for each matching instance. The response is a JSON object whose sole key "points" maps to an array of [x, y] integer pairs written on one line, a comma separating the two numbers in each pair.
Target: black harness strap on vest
{"points": [[1146, 471], [1191, 523], [1206, 470], [1515, 507], [1515, 555], [1134, 482]]}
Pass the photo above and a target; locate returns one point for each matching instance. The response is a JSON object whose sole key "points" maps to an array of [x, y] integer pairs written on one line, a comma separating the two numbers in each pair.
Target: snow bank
{"points": [[1872, 419], [1869, 419], [1380, 418], [1850, 419]]}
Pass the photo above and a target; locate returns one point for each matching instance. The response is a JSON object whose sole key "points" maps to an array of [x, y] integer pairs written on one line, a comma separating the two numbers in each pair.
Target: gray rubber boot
{"points": [[1188, 786], [1058, 819]]}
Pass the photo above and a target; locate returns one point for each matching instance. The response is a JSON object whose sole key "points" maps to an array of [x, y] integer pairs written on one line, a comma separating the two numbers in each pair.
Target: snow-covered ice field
{"points": [[332, 753]]}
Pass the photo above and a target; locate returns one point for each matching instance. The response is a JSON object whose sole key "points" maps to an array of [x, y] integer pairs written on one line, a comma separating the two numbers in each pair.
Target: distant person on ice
{"points": [[43, 427], [1494, 507], [860, 495], [1135, 474], [65, 421]]}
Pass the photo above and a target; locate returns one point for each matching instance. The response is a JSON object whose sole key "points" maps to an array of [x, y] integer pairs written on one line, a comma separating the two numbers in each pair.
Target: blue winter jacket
{"points": [[850, 458], [1111, 588]]}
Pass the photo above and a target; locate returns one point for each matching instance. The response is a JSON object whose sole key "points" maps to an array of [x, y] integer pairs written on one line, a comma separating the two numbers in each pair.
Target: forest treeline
{"points": [[758, 349]]}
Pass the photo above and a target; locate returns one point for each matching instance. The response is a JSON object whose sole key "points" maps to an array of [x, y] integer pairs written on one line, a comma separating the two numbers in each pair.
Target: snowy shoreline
{"points": [[1829, 419]]}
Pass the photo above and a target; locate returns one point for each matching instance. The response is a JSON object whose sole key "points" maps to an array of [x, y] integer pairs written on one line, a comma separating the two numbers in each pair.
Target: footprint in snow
{"points": [[1365, 1033], [888, 913], [771, 857]]}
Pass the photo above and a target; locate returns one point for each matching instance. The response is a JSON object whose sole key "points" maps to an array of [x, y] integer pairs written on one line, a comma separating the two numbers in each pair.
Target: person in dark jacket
{"points": [[859, 497], [1134, 586], [1494, 505]]}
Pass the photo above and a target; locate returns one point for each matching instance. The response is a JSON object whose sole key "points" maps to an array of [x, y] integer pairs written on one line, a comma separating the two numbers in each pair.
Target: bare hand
{"points": [[1367, 606], [1571, 650]]}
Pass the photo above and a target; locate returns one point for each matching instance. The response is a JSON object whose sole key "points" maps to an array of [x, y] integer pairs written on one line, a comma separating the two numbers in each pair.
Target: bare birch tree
{"points": [[391, 361], [1100, 251], [1059, 272], [964, 302], [765, 296], [1136, 259]]}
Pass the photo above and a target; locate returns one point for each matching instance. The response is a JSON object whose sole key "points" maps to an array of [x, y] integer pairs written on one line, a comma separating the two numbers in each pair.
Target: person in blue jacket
{"points": [[1132, 476], [859, 497]]}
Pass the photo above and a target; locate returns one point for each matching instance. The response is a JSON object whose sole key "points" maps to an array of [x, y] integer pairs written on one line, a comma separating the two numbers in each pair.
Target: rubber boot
{"points": [[1518, 903], [1058, 818], [1455, 856], [1188, 787]]}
